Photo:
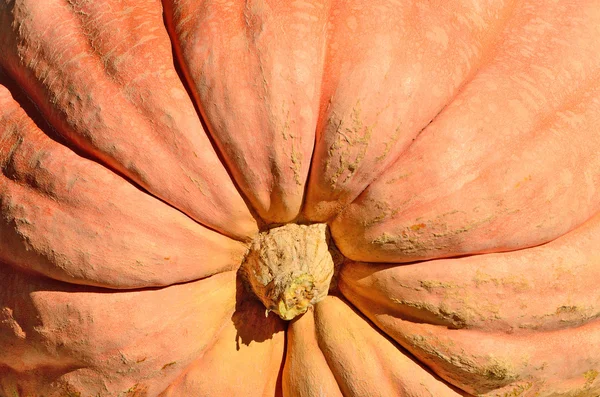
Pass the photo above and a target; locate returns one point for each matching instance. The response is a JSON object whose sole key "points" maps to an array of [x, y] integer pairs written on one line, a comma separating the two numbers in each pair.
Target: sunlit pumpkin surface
{"points": [[451, 148]]}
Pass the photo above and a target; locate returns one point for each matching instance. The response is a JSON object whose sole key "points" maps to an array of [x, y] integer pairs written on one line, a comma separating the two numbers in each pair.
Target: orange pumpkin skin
{"points": [[450, 147]]}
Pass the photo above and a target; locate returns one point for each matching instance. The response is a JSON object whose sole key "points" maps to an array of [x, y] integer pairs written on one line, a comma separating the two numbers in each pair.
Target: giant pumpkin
{"points": [[299, 198]]}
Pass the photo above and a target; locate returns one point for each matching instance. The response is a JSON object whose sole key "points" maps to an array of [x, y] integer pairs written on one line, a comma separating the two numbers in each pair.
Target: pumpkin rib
{"points": [[185, 370], [344, 206], [418, 211], [306, 372], [57, 206], [340, 134], [521, 364], [246, 316], [60, 321], [262, 38], [465, 292], [302, 216], [185, 79], [74, 95], [491, 364], [208, 345], [377, 368], [462, 296]]}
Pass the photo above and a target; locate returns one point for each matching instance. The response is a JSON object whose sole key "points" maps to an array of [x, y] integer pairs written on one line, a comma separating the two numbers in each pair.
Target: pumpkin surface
{"points": [[149, 148]]}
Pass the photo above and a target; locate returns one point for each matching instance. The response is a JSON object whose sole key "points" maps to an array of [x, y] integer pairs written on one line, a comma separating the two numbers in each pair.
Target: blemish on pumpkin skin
{"points": [[124, 359], [483, 373], [418, 226], [570, 315], [385, 238], [452, 319], [410, 287], [136, 390], [198, 183], [7, 318], [404, 242], [421, 238], [525, 180], [430, 285], [389, 144], [295, 155], [567, 309], [516, 391], [464, 229], [14, 392], [398, 178], [71, 182], [590, 376], [348, 137], [386, 211], [516, 282], [168, 365], [296, 165], [8, 163]]}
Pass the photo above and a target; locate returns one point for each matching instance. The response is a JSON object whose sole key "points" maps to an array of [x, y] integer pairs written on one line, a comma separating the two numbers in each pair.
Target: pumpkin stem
{"points": [[289, 268]]}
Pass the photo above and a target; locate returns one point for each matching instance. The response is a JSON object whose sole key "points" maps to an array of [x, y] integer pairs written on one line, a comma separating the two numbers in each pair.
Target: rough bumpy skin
{"points": [[509, 163], [255, 70], [102, 73], [540, 305], [172, 169], [71, 219]]}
